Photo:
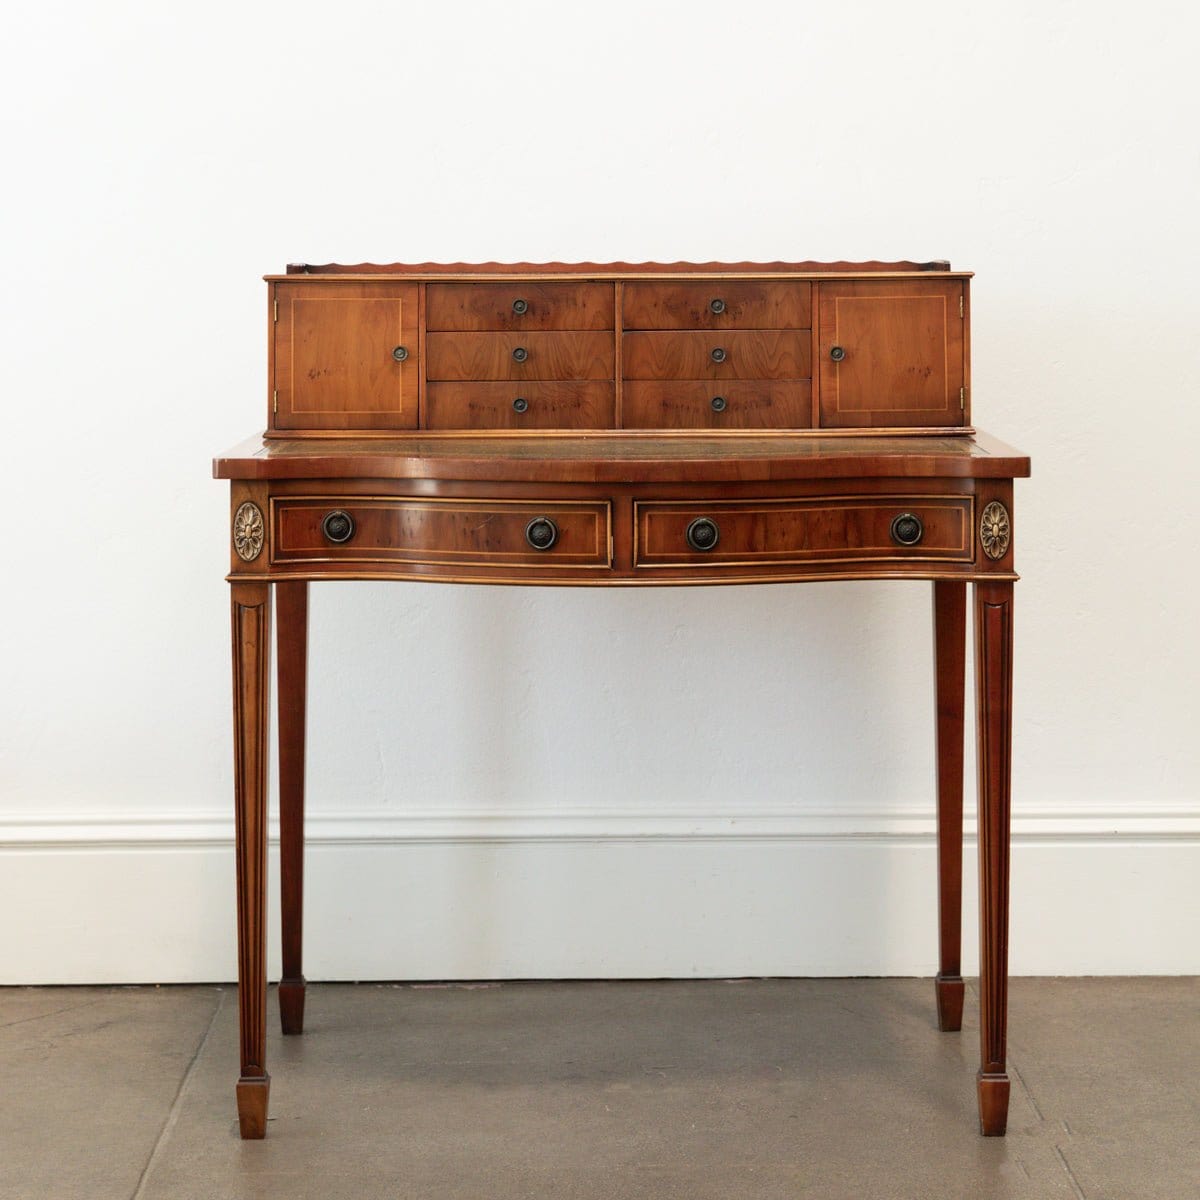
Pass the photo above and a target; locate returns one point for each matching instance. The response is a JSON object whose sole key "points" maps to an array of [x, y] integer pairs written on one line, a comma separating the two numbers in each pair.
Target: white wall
{"points": [[560, 782]]}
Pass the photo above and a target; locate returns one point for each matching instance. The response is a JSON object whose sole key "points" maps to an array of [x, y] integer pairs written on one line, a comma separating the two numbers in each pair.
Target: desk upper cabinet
{"points": [[805, 346]]}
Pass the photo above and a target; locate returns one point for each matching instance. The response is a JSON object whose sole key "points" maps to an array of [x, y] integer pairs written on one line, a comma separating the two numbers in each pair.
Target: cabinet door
{"points": [[892, 353], [345, 356]]}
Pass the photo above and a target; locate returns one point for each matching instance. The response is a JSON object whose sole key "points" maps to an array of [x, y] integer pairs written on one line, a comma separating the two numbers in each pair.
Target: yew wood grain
{"points": [[903, 347], [949, 673], [448, 532], [843, 403], [517, 405], [519, 306], [821, 529], [483, 356], [993, 682], [334, 361], [251, 618], [717, 304], [747, 354], [625, 458], [741, 404], [291, 624]]}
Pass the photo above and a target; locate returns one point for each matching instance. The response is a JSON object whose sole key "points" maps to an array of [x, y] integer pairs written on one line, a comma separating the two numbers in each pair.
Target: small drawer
{"points": [[730, 404], [724, 354], [502, 306], [519, 356], [818, 529], [538, 404], [366, 529], [717, 304]]}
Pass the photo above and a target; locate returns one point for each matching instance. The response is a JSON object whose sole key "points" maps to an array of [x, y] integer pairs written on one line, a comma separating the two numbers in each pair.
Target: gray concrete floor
{"points": [[757, 1088]]}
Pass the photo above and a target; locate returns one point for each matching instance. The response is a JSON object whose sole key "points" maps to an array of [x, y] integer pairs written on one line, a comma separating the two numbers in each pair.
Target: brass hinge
{"points": [[961, 306], [962, 398], [275, 310], [274, 402]]}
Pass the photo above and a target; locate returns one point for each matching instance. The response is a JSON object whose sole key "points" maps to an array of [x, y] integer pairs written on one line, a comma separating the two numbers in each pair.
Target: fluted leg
{"points": [[291, 613], [950, 653], [993, 681], [251, 610]]}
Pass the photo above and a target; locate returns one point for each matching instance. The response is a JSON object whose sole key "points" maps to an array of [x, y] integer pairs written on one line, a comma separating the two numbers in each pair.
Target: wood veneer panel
{"points": [[808, 530], [903, 343], [483, 356], [749, 354], [746, 304], [333, 356], [519, 306], [625, 458], [446, 532], [549, 404], [688, 404]]}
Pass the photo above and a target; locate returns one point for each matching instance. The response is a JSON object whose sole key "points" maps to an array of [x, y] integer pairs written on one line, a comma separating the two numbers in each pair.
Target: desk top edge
{"points": [[615, 458]]}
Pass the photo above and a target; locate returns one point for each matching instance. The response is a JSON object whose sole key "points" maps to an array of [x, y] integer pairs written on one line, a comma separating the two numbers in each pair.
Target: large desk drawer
{"points": [[385, 529], [816, 529]]}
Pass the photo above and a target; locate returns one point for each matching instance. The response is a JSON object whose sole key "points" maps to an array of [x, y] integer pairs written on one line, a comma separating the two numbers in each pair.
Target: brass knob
{"points": [[541, 533], [703, 534], [716, 306], [520, 354], [837, 354], [520, 404], [907, 529], [338, 526], [719, 404], [718, 355], [400, 353], [520, 307]]}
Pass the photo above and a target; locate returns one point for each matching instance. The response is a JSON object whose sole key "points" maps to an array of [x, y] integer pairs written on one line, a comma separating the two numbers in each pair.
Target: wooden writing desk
{"points": [[678, 436]]}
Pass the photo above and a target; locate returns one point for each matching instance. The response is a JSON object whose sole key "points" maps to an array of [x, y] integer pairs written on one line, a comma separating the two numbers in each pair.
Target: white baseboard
{"points": [[578, 894]]}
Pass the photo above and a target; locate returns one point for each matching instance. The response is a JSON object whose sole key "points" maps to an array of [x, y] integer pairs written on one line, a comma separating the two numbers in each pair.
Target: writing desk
{"points": [[615, 508]]}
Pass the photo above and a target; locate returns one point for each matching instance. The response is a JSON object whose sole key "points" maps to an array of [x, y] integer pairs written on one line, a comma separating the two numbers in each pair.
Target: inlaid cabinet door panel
{"points": [[345, 356], [891, 353]]}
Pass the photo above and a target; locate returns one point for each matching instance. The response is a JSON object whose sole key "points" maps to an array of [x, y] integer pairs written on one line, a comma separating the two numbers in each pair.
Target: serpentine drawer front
{"points": [[620, 425], [362, 529], [814, 530]]}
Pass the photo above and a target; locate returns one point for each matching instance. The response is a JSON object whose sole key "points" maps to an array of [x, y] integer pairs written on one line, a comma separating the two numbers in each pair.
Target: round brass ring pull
{"points": [[541, 533], [338, 526], [703, 534]]}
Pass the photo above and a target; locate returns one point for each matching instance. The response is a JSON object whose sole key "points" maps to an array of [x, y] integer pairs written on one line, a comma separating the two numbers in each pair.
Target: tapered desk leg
{"points": [[251, 606], [291, 613], [993, 681], [950, 661]]}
